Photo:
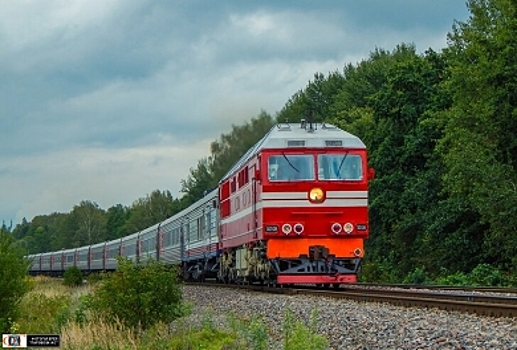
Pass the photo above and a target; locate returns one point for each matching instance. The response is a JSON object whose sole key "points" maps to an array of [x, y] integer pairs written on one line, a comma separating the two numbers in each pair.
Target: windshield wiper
{"points": [[288, 162], [341, 164]]}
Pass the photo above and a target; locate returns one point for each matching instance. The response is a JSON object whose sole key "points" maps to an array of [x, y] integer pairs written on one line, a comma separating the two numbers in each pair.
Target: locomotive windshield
{"points": [[291, 167], [331, 167], [340, 167]]}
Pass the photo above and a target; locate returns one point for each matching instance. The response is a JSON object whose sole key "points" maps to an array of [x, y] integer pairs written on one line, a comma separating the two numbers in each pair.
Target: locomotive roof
{"points": [[303, 135]]}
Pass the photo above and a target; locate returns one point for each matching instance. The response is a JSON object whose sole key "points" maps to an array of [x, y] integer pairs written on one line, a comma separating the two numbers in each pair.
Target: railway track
{"points": [[481, 289], [481, 304]]}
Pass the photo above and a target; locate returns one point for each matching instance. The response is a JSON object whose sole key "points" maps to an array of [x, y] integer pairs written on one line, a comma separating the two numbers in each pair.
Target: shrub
{"points": [[73, 277], [96, 277], [417, 276], [456, 279], [13, 282], [41, 313], [486, 275], [382, 271], [481, 275], [139, 295]]}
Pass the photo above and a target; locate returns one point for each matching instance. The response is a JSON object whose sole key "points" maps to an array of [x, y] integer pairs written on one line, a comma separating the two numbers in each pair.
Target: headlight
{"points": [[286, 229], [316, 195], [336, 228], [348, 228], [298, 228]]}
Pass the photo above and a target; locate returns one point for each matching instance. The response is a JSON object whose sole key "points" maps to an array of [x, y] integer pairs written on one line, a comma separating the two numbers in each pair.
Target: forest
{"points": [[441, 130]]}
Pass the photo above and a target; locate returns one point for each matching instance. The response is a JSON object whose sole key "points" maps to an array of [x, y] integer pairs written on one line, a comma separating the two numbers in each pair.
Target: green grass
{"points": [[52, 307]]}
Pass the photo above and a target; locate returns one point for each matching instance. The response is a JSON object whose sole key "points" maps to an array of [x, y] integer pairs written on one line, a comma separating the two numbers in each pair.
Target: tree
{"points": [[151, 209], [199, 180], [13, 283], [314, 101], [116, 224], [480, 148], [21, 230], [44, 233], [408, 191], [89, 224], [230, 147], [42, 239]]}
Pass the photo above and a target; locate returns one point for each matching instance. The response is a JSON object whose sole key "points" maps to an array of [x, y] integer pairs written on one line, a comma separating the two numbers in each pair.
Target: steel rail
{"points": [[481, 289], [465, 303], [494, 306], [479, 298]]}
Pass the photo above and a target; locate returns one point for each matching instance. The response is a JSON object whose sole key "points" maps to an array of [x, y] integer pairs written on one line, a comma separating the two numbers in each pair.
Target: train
{"points": [[292, 210]]}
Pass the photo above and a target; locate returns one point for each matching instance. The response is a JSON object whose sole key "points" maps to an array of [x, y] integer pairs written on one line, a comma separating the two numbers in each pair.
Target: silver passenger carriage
{"points": [[147, 241], [97, 253], [46, 259], [112, 252], [129, 247], [68, 259], [82, 258], [171, 240], [200, 238]]}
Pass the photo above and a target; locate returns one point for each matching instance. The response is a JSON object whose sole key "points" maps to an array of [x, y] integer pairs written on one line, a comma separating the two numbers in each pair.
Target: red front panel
{"points": [[289, 248], [340, 216]]}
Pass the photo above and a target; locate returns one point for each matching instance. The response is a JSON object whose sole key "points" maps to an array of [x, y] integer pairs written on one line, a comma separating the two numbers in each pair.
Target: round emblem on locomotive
{"points": [[316, 195]]}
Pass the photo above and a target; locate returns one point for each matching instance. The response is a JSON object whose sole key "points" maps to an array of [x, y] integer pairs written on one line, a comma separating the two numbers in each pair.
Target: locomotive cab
{"points": [[315, 213], [294, 208]]}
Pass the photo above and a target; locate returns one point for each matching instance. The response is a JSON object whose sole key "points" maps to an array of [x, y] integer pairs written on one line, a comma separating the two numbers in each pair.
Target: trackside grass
{"points": [[51, 307]]}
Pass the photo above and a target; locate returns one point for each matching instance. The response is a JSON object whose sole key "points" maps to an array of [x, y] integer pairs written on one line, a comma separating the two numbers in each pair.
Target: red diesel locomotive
{"points": [[294, 208]]}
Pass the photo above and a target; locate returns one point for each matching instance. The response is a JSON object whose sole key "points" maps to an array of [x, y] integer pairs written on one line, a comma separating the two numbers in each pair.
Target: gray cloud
{"points": [[108, 100]]}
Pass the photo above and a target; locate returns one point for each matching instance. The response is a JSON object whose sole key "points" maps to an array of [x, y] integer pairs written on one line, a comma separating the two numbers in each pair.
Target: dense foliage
{"points": [[13, 282], [139, 295], [73, 277], [480, 145], [440, 128]]}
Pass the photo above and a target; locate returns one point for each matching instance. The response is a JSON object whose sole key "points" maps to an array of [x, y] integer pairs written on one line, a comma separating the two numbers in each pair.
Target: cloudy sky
{"points": [[108, 100]]}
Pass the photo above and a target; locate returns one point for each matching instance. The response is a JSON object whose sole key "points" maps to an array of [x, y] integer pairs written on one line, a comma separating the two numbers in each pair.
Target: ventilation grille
{"points": [[333, 143], [295, 143]]}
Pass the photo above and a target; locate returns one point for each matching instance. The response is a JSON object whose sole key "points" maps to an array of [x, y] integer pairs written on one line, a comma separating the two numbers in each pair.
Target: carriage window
{"points": [[167, 239], [176, 236], [130, 249], [113, 252], [193, 233], [212, 220], [340, 167], [200, 226], [290, 168]]}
